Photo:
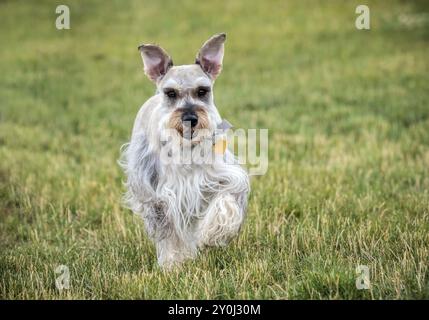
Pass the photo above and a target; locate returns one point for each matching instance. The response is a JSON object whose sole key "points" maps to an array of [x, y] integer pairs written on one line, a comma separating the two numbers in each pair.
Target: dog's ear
{"points": [[156, 61], [210, 55]]}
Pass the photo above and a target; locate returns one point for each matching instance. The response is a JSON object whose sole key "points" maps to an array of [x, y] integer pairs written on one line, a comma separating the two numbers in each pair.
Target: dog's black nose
{"points": [[190, 118]]}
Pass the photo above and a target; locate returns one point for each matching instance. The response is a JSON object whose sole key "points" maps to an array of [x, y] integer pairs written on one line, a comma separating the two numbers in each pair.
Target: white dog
{"points": [[186, 205]]}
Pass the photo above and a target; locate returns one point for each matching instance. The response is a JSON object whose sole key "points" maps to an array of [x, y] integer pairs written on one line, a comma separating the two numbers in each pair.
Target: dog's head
{"points": [[186, 91]]}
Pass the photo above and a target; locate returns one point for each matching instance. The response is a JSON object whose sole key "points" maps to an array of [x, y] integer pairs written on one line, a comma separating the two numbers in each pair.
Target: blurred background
{"points": [[348, 118]]}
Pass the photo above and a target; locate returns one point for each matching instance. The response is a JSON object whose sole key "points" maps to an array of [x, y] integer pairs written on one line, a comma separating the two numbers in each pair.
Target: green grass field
{"points": [[348, 119]]}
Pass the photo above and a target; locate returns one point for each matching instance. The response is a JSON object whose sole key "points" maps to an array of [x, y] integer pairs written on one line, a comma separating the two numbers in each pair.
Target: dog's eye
{"points": [[171, 94], [202, 92]]}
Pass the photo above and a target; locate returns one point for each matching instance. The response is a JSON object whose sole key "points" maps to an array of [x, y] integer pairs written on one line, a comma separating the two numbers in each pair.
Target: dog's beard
{"points": [[184, 145], [176, 150], [196, 136], [188, 132]]}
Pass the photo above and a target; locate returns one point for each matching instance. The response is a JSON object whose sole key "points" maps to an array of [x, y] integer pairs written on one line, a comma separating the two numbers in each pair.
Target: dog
{"points": [[186, 206]]}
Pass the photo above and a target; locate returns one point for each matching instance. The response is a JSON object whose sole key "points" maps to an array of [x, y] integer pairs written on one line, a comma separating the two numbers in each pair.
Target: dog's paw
{"points": [[172, 252]]}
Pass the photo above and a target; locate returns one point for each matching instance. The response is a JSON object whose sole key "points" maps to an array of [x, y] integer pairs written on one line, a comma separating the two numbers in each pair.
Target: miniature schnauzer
{"points": [[185, 205]]}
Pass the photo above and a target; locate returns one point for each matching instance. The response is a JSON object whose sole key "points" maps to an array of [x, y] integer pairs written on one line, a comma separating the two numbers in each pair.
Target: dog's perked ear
{"points": [[156, 61], [210, 55]]}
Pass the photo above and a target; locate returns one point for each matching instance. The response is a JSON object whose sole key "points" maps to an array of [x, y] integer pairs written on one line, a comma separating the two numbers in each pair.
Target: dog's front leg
{"points": [[221, 222], [170, 248], [171, 251]]}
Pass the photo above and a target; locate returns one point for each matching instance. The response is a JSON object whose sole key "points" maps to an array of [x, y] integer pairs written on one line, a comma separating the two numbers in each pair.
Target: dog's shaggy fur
{"points": [[185, 206]]}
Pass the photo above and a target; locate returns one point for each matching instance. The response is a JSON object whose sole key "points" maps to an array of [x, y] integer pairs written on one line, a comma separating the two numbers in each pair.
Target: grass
{"points": [[348, 118]]}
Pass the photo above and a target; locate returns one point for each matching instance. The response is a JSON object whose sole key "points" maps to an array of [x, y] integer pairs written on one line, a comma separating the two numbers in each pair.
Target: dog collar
{"points": [[220, 144], [224, 125]]}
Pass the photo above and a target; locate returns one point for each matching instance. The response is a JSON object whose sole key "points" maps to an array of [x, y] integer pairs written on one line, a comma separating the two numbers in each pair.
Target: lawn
{"points": [[348, 177]]}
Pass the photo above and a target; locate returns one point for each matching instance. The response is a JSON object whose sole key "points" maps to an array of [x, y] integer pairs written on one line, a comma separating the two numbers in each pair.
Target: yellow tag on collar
{"points": [[220, 146]]}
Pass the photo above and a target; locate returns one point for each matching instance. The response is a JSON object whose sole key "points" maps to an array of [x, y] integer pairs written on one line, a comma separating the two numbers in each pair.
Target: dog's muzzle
{"points": [[189, 119], [189, 122]]}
